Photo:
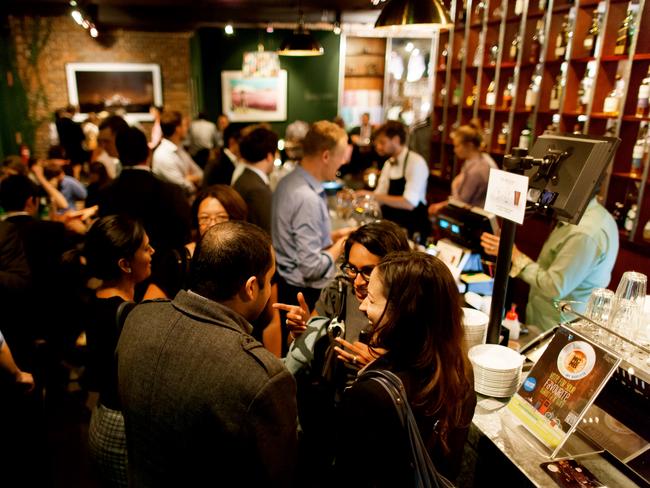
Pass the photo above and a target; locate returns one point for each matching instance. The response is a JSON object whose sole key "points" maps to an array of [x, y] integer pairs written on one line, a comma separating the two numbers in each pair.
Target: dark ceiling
{"points": [[183, 15]]}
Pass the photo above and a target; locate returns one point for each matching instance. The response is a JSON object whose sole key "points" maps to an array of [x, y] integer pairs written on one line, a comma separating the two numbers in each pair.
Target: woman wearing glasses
{"points": [[320, 376]]}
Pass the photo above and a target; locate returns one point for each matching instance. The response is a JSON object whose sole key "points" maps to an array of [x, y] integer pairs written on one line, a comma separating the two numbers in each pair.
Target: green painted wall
{"points": [[312, 83]]}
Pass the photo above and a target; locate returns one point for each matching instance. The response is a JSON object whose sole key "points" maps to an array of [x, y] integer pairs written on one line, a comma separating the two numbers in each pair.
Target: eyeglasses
{"points": [[351, 271], [212, 219]]}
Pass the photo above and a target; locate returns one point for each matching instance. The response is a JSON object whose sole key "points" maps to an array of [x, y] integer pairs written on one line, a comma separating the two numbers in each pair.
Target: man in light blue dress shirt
{"points": [[306, 248]]}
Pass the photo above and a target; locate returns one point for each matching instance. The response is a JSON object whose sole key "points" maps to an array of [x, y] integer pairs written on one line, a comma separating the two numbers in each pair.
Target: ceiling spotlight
{"points": [[229, 30], [73, 3], [269, 28], [93, 32], [76, 15]]}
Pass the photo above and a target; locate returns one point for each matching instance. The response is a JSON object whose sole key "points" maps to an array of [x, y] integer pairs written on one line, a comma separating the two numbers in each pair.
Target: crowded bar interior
{"points": [[328, 243]]}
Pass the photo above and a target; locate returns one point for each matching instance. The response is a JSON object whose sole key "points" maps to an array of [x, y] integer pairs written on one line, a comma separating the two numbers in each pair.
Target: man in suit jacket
{"points": [[204, 403], [251, 180], [219, 171], [162, 207]]}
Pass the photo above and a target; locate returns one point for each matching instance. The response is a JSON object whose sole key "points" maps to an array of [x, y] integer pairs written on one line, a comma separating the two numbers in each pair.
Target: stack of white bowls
{"points": [[497, 370], [475, 324]]}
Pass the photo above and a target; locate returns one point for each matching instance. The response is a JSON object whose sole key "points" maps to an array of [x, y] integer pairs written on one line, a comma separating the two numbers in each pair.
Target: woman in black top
{"points": [[118, 253], [414, 307]]}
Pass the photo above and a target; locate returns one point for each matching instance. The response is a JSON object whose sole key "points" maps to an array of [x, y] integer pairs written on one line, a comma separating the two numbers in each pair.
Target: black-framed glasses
{"points": [[351, 271]]}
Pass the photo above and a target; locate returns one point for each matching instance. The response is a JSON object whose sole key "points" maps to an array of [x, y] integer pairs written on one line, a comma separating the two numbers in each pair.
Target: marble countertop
{"points": [[508, 434]]}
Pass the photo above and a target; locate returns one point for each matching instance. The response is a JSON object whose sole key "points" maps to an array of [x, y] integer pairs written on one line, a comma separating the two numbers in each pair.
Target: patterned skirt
{"points": [[107, 446]]}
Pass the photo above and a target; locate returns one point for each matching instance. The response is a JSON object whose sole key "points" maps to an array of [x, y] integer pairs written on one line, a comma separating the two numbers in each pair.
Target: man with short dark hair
{"points": [[170, 161], [203, 138], [221, 169], [402, 185], [204, 403], [108, 130], [160, 206], [258, 150]]}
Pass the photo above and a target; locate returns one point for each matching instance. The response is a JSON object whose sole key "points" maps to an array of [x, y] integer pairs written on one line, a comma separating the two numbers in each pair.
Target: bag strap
{"points": [[426, 474], [120, 316]]}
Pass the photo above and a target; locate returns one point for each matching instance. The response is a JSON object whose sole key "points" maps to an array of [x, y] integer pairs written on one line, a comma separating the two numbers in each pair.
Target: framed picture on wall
{"points": [[131, 88], [256, 99]]}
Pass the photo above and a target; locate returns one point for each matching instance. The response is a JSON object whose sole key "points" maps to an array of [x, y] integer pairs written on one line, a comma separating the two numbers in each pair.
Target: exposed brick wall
{"points": [[69, 43]]}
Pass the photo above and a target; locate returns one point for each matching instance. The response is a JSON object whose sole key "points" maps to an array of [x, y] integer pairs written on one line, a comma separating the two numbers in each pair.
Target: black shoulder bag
{"points": [[425, 473]]}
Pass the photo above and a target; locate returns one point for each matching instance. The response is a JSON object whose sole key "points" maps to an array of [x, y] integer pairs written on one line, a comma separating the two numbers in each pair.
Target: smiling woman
{"points": [[414, 308]]}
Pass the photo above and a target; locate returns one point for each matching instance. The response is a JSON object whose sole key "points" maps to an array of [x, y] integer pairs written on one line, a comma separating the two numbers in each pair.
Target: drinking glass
{"points": [[598, 309], [627, 310]]}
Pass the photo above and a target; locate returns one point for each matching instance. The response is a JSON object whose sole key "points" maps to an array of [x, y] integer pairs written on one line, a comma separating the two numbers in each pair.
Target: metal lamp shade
{"points": [[300, 43], [414, 14]]}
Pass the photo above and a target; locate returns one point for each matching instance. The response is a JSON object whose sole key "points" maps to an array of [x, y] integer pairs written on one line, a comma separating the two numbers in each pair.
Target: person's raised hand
{"points": [[490, 243], [297, 315]]}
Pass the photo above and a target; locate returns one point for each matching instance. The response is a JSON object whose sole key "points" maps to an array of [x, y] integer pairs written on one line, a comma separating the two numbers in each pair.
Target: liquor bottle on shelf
{"points": [[589, 42], [443, 95], [613, 100], [541, 5], [643, 98], [471, 98], [455, 97], [630, 206], [443, 57], [562, 38], [494, 54], [640, 151], [514, 48], [623, 36], [636, 168], [461, 14], [461, 54], [478, 55], [584, 93], [531, 93], [525, 138], [519, 7], [556, 93], [479, 11], [502, 137], [491, 95], [497, 13], [508, 93], [536, 43]]}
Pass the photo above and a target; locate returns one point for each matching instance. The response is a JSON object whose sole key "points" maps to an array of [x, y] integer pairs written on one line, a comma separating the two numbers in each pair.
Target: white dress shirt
{"points": [[417, 175], [172, 163]]}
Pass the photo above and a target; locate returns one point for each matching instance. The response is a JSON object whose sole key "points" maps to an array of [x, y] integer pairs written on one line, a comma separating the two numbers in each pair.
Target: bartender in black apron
{"points": [[415, 220]]}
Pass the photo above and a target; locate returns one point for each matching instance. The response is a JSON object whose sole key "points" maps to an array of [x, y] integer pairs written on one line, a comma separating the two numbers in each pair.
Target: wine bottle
{"points": [[514, 48], [613, 100], [556, 93], [622, 36], [491, 95], [508, 93], [562, 38], [443, 56], [479, 11], [636, 168], [589, 42], [536, 43], [502, 137], [531, 94], [644, 97], [494, 54], [584, 93]]}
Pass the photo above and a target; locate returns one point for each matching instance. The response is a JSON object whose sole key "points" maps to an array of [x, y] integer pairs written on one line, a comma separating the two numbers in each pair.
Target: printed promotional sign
{"points": [[561, 386]]}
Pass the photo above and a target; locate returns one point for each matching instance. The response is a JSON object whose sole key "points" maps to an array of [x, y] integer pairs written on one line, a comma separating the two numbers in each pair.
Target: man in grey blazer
{"points": [[204, 403], [251, 179]]}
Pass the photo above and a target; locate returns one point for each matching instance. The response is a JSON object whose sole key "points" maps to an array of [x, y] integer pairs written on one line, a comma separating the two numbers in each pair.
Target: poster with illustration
{"points": [[561, 386]]}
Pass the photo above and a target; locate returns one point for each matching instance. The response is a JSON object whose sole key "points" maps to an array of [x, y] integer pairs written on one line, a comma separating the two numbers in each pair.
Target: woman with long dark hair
{"points": [[414, 307], [116, 252]]}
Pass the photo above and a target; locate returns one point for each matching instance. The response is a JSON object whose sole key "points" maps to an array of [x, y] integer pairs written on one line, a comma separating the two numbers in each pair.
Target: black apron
{"points": [[416, 220]]}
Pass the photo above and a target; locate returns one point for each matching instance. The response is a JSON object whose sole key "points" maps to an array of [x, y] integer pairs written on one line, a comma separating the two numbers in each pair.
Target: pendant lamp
{"points": [[414, 15], [300, 43]]}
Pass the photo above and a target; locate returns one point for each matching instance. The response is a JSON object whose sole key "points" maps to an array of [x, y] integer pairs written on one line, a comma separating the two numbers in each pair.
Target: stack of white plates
{"points": [[497, 370], [475, 324]]}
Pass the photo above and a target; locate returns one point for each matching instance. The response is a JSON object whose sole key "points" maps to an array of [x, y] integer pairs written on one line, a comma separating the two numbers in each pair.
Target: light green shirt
{"points": [[574, 260]]}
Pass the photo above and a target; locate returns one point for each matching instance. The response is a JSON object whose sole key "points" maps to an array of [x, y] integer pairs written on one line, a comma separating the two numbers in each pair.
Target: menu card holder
{"points": [[559, 390]]}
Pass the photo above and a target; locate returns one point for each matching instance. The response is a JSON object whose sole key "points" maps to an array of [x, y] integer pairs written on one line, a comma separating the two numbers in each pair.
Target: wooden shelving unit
{"points": [[586, 79]]}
